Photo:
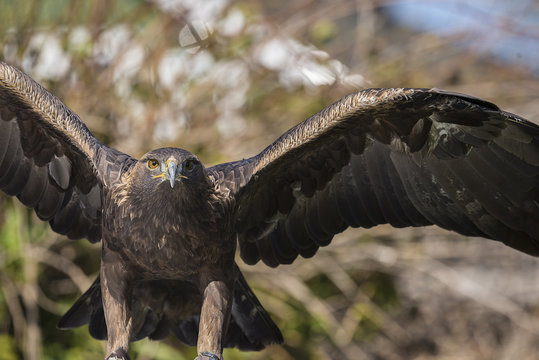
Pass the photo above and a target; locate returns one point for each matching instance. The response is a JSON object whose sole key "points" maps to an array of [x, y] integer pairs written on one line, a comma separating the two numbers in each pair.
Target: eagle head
{"points": [[170, 166]]}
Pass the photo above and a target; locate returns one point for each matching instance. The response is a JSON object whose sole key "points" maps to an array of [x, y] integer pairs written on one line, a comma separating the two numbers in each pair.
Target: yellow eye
{"points": [[153, 164], [188, 165]]}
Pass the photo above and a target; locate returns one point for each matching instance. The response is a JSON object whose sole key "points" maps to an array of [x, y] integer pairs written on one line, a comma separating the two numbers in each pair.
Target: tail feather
{"points": [[162, 329], [253, 320], [250, 327], [187, 330], [87, 309], [81, 311], [148, 327], [98, 326]]}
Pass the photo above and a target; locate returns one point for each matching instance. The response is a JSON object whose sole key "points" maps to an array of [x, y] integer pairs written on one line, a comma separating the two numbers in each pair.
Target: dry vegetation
{"points": [[224, 79]]}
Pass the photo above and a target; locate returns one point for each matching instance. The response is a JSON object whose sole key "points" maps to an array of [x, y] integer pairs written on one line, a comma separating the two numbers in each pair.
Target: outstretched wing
{"points": [[49, 159], [407, 157]]}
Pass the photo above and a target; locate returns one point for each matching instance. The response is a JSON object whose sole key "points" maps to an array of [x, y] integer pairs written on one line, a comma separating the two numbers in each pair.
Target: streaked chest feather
{"points": [[166, 231]]}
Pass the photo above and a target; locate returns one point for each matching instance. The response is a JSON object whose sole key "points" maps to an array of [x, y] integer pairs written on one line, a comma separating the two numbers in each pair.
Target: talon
{"points": [[206, 355], [118, 354]]}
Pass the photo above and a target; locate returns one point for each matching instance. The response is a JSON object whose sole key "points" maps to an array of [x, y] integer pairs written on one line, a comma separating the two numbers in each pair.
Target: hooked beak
{"points": [[171, 171]]}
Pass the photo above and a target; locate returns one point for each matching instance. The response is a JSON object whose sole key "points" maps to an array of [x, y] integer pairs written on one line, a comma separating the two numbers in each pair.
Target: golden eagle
{"points": [[169, 226]]}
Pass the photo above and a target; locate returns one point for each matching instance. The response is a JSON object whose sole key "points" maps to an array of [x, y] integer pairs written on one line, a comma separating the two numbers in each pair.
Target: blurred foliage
{"points": [[224, 79]]}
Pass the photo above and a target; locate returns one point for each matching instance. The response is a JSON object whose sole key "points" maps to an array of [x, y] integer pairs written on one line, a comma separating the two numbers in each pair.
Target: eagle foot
{"points": [[118, 354], [206, 355]]}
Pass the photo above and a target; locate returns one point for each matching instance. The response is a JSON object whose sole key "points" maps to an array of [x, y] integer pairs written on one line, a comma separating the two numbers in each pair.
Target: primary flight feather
{"points": [[169, 226]]}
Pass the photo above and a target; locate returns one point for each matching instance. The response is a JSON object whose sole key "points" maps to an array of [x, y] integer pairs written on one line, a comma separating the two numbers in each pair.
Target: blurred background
{"points": [[223, 79]]}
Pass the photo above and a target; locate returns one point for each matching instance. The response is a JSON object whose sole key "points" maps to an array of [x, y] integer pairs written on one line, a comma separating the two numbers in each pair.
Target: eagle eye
{"points": [[153, 164], [189, 165]]}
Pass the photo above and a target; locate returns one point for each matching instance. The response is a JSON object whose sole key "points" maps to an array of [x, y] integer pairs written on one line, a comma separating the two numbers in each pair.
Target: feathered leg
{"points": [[116, 305], [214, 318]]}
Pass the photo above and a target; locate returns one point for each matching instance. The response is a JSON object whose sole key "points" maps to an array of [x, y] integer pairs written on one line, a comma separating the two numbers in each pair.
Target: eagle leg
{"points": [[214, 318], [116, 305]]}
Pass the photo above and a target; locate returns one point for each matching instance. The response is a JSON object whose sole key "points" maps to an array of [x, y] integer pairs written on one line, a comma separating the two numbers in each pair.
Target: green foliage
{"points": [[7, 344], [9, 237]]}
